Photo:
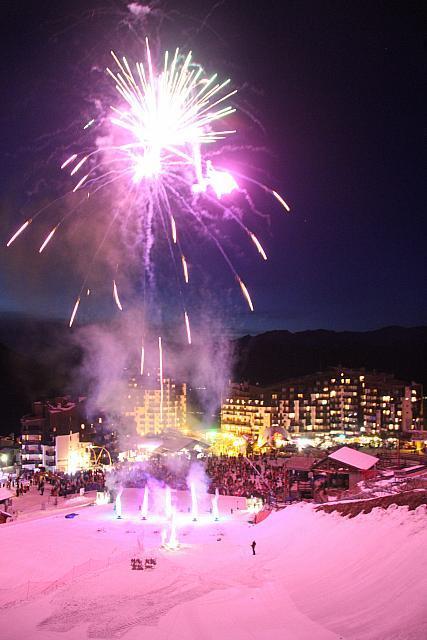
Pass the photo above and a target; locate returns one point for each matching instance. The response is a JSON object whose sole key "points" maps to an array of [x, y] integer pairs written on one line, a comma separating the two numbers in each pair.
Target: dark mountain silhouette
{"points": [[39, 358], [277, 355]]}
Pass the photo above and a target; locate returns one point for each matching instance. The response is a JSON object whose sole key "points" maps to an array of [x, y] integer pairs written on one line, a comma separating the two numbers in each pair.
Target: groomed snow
{"points": [[316, 576]]}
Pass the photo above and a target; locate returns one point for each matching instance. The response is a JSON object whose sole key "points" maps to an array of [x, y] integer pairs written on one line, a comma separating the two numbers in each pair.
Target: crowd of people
{"points": [[56, 484], [243, 476], [259, 476]]}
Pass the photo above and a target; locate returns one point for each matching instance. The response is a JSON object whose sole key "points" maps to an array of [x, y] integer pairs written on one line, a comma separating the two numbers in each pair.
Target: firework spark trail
{"points": [[48, 238], [116, 296], [18, 233], [184, 268], [245, 293], [53, 231], [94, 257], [280, 199], [264, 188], [219, 246], [80, 183], [258, 245], [70, 159], [73, 315], [187, 326], [173, 225], [78, 165], [142, 359], [161, 377]]}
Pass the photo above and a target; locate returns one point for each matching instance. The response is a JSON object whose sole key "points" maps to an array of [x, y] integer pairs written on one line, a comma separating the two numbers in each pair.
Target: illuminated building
{"points": [[71, 454], [156, 410], [339, 402], [48, 419], [248, 411]]}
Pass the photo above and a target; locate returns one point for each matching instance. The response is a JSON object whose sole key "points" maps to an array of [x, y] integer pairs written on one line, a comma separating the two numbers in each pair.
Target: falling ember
{"points": [[116, 296], [78, 165], [161, 377], [18, 233], [187, 326], [258, 246], [68, 160], [173, 229], [89, 124], [73, 315], [79, 184], [184, 268], [49, 237], [246, 294], [280, 199], [142, 360]]}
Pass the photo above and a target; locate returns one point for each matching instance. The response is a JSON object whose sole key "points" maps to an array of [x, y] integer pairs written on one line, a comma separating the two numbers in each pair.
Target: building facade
{"points": [[39, 429], [156, 408], [337, 401], [250, 412]]}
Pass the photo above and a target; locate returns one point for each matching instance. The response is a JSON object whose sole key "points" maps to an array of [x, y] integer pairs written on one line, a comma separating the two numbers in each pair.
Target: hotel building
{"points": [[337, 401]]}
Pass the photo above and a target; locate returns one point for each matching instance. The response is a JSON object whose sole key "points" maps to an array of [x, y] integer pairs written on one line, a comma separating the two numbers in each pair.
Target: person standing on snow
{"points": [[253, 545]]}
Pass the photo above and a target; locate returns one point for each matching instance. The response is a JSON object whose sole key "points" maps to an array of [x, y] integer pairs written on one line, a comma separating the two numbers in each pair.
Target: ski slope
{"points": [[315, 576]]}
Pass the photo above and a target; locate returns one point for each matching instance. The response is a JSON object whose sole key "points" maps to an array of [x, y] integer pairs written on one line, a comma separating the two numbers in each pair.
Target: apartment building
{"points": [[336, 401], [156, 407]]}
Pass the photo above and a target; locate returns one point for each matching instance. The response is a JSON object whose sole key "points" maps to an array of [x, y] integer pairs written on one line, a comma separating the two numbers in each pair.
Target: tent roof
{"points": [[354, 458], [5, 494], [172, 442], [299, 463]]}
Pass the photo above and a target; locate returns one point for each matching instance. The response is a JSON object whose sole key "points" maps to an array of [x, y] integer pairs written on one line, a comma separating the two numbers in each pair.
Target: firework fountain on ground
{"points": [[160, 504]]}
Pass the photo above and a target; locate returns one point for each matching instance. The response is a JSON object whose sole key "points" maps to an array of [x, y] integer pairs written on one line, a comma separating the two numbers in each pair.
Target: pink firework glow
{"points": [[154, 148]]}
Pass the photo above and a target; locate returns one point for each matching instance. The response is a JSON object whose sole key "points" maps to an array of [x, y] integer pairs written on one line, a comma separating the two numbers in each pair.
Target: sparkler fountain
{"points": [[118, 504], [173, 539], [144, 507], [194, 506], [163, 535], [168, 502], [215, 510]]}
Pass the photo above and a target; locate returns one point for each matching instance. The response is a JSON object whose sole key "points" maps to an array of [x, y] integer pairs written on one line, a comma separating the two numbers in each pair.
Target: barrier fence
{"points": [[31, 589]]}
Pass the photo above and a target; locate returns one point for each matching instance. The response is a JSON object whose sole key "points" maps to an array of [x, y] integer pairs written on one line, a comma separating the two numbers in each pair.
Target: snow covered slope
{"points": [[316, 576]]}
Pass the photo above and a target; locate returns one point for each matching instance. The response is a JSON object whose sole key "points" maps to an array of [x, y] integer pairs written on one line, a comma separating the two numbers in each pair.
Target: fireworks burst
{"points": [[159, 132]]}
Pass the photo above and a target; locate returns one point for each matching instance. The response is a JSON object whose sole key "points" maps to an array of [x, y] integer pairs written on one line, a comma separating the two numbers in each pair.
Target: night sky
{"points": [[337, 89]]}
